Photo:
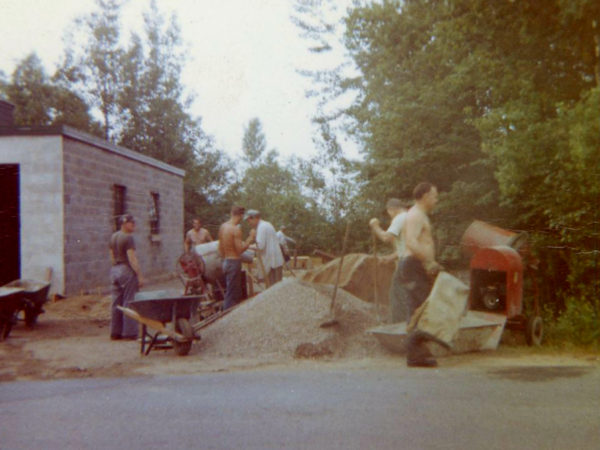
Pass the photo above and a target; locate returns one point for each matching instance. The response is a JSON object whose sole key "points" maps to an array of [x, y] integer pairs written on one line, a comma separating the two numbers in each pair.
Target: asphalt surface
{"points": [[327, 408]]}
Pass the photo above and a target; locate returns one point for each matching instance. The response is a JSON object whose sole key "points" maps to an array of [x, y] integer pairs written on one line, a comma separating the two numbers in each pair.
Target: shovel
{"points": [[332, 320]]}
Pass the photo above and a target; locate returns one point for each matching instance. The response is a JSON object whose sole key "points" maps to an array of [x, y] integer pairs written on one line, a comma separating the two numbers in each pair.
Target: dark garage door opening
{"points": [[10, 261]]}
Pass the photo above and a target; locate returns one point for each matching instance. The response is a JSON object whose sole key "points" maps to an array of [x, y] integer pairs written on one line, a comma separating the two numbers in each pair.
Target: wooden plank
{"points": [[155, 324]]}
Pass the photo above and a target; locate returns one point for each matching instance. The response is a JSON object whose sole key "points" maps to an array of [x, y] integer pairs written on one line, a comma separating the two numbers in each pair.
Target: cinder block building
{"points": [[61, 191]]}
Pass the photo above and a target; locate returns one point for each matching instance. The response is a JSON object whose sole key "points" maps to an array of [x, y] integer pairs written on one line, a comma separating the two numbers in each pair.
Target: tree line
{"points": [[497, 103]]}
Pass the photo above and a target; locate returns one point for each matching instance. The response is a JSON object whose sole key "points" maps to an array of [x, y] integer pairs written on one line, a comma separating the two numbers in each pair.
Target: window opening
{"points": [[154, 213], [119, 205]]}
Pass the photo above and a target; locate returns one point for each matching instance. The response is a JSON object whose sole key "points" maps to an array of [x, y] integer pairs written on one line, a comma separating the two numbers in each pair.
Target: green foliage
{"points": [[578, 323], [275, 191], [137, 90], [497, 104], [93, 66], [39, 101]]}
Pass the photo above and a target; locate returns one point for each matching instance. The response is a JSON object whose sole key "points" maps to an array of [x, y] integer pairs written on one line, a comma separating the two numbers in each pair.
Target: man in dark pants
{"points": [[418, 267], [397, 211], [125, 277], [231, 248]]}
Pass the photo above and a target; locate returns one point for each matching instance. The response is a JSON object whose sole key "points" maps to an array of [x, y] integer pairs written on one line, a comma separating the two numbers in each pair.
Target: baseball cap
{"points": [[126, 218], [251, 213]]}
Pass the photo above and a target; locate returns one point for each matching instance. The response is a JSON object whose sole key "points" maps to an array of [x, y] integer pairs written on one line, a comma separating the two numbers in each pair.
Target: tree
{"points": [[40, 102], [493, 102], [156, 120], [95, 68]]}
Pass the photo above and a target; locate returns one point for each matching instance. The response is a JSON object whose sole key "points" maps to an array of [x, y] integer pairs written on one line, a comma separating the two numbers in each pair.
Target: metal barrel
{"points": [[481, 235], [209, 252]]}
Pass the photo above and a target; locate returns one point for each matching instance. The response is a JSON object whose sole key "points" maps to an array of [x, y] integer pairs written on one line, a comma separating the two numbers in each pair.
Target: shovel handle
{"points": [[339, 271]]}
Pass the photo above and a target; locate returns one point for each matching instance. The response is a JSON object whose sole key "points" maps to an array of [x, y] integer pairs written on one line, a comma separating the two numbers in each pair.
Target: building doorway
{"points": [[10, 224]]}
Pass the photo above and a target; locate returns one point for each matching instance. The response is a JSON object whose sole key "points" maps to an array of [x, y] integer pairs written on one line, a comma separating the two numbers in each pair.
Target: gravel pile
{"points": [[284, 321]]}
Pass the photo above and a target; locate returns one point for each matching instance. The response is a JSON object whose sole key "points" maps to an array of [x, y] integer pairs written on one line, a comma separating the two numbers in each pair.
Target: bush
{"points": [[578, 323]]}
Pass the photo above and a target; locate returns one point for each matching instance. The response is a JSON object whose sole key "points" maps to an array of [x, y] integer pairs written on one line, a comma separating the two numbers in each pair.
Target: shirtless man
{"points": [[197, 235], [418, 266], [231, 248]]}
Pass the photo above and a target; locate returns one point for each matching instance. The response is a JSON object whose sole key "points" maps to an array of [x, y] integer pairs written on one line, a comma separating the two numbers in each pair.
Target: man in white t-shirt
{"points": [[267, 246], [397, 210]]}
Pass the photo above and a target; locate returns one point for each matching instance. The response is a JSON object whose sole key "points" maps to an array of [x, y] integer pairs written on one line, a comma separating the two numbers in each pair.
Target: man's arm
{"points": [[220, 236], [384, 236], [261, 237], [414, 227], [188, 242], [133, 262], [112, 256], [242, 246]]}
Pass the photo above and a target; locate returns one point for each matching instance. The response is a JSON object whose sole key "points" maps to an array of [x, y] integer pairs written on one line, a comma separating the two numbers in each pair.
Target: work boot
{"points": [[418, 355]]}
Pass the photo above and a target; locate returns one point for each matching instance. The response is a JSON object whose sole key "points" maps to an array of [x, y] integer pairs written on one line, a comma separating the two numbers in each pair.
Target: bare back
{"points": [[418, 235], [230, 241]]}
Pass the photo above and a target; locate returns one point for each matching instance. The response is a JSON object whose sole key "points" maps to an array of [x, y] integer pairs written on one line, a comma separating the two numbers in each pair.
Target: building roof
{"points": [[87, 138]]}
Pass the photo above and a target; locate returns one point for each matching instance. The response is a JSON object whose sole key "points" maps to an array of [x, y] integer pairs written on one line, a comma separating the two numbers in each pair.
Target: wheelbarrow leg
{"points": [[144, 333]]}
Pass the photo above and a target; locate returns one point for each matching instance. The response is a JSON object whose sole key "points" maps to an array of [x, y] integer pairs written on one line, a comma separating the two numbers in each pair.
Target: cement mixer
{"points": [[213, 263], [499, 260]]}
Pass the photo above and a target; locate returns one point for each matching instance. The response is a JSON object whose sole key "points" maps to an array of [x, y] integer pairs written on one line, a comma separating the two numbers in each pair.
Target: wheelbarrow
{"points": [[169, 314], [11, 299], [35, 294]]}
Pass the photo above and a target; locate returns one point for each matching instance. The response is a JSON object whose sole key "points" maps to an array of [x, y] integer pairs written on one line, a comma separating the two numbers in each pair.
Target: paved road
{"points": [[527, 407]]}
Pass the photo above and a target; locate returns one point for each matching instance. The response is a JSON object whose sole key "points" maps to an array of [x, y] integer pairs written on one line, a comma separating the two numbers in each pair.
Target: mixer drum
{"points": [[213, 262]]}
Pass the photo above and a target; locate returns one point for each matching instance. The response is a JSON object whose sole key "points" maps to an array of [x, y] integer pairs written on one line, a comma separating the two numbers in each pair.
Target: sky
{"points": [[242, 61]]}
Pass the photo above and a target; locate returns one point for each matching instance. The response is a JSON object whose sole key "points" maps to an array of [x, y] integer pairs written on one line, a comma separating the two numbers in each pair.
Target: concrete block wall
{"points": [[90, 173], [40, 196]]}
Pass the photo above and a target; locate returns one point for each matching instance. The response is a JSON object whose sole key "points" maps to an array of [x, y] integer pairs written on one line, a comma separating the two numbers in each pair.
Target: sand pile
{"points": [[284, 322], [91, 307], [357, 276]]}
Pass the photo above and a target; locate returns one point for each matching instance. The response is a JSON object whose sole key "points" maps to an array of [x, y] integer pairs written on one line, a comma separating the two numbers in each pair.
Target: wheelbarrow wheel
{"points": [[534, 332], [183, 326]]}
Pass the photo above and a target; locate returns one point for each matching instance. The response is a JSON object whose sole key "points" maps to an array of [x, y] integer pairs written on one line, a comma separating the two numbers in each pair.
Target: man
{"points": [[125, 277], [418, 267], [267, 247], [231, 248], [397, 296], [196, 235], [283, 243]]}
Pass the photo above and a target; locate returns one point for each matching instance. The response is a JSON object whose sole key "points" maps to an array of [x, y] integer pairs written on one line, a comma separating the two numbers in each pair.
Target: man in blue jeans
{"points": [[396, 209], [231, 248], [125, 277]]}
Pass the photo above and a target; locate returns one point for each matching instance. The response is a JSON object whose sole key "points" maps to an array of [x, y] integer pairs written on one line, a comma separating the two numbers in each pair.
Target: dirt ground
{"points": [[71, 340]]}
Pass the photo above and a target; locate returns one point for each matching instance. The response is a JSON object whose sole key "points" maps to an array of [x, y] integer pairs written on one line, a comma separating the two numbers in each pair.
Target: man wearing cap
{"points": [[231, 248], [125, 278], [267, 247]]}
